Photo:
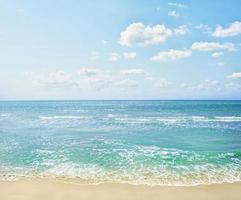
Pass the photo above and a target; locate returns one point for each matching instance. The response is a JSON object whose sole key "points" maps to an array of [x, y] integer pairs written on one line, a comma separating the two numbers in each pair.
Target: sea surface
{"points": [[136, 142]]}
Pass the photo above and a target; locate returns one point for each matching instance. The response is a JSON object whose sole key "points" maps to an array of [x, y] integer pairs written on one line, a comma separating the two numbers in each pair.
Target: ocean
{"points": [[137, 142]]}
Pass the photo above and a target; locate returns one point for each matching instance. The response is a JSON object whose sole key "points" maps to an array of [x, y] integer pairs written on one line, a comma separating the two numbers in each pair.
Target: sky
{"points": [[128, 49]]}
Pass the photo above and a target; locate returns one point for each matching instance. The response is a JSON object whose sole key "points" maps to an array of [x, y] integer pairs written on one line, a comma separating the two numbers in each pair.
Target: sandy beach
{"points": [[56, 190]]}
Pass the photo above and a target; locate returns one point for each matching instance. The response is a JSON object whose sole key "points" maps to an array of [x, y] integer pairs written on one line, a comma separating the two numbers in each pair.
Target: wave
{"points": [[140, 175], [228, 119], [140, 165], [176, 119], [62, 117], [76, 110], [4, 115]]}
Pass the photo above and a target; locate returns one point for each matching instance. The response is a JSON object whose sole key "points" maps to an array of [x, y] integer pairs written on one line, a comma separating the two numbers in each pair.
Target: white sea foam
{"points": [[76, 110], [148, 175], [174, 120], [132, 120], [216, 119], [228, 119], [111, 115], [68, 117], [200, 118], [84, 171], [169, 120], [4, 115], [167, 172]]}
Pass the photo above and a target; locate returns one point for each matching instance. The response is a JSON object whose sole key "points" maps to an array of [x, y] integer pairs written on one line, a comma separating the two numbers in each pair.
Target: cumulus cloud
{"points": [[94, 78], [141, 35], [87, 77], [232, 30], [204, 28], [161, 84], [217, 54], [178, 5], [173, 13], [114, 57], [149, 78], [103, 42], [183, 85], [126, 55], [129, 55], [88, 72], [58, 79], [133, 72], [212, 46], [235, 75], [221, 63], [233, 86], [100, 82], [181, 30], [94, 55], [126, 83], [171, 55], [207, 84]]}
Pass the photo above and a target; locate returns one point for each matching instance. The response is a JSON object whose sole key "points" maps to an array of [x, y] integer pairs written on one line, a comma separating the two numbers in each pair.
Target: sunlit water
{"points": [[137, 142]]}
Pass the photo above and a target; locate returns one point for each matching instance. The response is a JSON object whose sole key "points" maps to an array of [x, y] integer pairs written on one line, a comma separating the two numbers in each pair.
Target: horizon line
{"points": [[1, 100]]}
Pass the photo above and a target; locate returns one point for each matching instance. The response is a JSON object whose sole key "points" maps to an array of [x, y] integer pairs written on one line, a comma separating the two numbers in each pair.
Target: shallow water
{"points": [[138, 142]]}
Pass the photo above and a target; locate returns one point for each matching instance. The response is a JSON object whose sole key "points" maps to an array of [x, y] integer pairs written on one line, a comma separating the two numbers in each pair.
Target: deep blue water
{"points": [[139, 142]]}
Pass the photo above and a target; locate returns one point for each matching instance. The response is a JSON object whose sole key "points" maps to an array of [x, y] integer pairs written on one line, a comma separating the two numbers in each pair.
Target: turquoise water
{"points": [[137, 142]]}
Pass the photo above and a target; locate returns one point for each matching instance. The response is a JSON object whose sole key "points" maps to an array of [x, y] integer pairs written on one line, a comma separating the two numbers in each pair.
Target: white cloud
{"points": [[149, 78], [114, 57], [88, 72], [178, 5], [204, 28], [126, 83], [221, 63], [94, 78], [94, 55], [181, 30], [129, 55], [103, 42], [161, 83], [232, 30], [171, 55], [133, 72], [173, 13], [204, 85], [57, 79], [100, 82], [207, 84], [183, 85], [233, 86], [217, 54], [235, 75], [211, 46], [141, 35]]}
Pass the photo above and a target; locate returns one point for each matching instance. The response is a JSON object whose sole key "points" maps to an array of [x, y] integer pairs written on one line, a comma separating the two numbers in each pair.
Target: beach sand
{"points": [[44, 189]]}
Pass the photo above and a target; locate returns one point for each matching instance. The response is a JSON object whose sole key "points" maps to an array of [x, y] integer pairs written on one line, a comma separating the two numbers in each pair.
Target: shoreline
{"points": [[49, 189]]}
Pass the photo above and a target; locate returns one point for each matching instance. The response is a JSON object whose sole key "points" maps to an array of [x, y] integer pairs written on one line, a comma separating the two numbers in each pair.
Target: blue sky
{"points": [[66, 49]]}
